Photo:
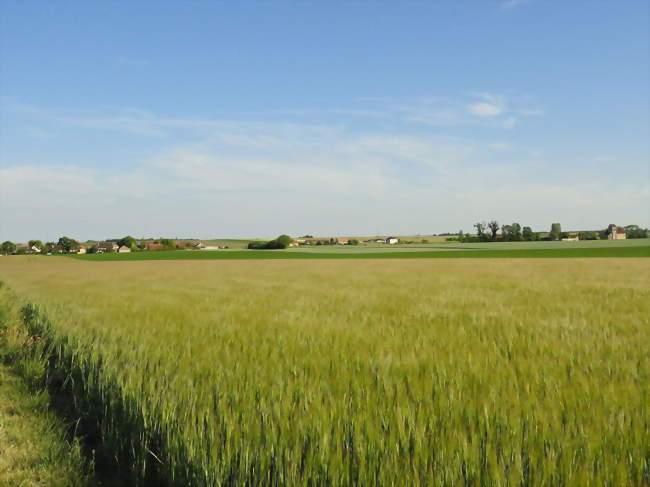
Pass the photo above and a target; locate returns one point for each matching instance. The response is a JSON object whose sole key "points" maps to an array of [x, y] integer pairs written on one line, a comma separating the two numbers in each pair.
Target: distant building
{"points": [[103, 247], [342, 241], [35, 249], [571, 237], [154, 246], [392, 240], [123, 249], [614, 234]]}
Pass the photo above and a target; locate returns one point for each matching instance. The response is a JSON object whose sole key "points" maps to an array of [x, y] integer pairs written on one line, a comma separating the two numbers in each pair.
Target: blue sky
{"points": [[205, 119]]}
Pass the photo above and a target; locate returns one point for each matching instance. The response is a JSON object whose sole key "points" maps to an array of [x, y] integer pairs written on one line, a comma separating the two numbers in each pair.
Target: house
{"points": [[154, 246], [571, 237], [103, 247], [342, 241], [34, 248], [123, 249], [614, 234], [392, 240]]}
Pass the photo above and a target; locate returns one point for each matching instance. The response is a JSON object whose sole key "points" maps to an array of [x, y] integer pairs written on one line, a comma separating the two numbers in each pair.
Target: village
{"points": [[508, 233]]}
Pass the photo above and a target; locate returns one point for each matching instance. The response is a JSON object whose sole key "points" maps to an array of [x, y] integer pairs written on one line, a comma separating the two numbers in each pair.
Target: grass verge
{"points": [[36, 448]]}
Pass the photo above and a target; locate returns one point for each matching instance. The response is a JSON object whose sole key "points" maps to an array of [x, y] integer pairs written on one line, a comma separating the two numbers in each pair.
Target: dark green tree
{"points": [[8, 247], [284, 241], [128, 241], [527, 234], [494, 228], [67, 244], [515, 232], [480, 230]]}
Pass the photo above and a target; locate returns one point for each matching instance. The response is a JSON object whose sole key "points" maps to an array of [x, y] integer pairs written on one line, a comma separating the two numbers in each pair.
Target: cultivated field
{"points": [[357, 372]]}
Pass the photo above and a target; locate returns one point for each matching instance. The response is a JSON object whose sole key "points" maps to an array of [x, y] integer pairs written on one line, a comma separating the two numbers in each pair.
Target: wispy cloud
{"points": [[491, 106], [259, 179]]}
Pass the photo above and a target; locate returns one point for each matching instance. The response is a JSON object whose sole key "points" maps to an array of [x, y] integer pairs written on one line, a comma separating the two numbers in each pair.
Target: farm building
{"points": [[34, 249], [614, 234], [392, 240], [342, 241], [571, 237], [123, 249]]}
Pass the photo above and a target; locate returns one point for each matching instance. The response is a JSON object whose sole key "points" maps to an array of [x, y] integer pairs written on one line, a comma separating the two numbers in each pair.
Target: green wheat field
{"points": [[391, 372]]}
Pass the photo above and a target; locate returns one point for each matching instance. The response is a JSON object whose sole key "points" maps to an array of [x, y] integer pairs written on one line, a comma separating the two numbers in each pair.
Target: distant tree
{"points": [[353, 241], [35, 243], [8, 247], [494, 228], [634, 231], [49, 247], [588, 236], [67, 244], [527, 234], [167, 243], [128, 241], [284, 240], [480, 230], [515, 232], [461, 236], [556, 232]]}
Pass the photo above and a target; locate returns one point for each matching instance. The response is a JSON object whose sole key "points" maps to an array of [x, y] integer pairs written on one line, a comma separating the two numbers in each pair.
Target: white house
{"points": [[123, 249], [392, 240]]}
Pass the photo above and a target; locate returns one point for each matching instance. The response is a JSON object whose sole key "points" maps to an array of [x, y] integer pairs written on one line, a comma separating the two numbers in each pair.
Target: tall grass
{"points": [[356, 372]]}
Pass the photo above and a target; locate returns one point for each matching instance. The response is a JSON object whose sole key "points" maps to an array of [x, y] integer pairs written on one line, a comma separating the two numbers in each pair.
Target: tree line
{"points": [[489, 232]]}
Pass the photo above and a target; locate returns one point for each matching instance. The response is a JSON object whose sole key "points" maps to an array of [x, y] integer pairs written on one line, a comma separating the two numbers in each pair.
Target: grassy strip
{"points": [[643, 251], [60, 379], [34, 446]]}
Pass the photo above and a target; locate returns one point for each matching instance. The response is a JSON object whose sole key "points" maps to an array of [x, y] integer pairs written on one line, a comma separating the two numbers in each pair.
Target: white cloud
{"points": [[485, 109], [491, 106]]}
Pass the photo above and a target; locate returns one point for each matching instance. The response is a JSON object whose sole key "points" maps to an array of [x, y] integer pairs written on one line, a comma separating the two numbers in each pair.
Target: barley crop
{"points": [[374, 372]]}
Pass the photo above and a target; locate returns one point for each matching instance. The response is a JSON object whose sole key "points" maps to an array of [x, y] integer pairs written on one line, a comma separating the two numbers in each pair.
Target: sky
{"points": [[253, 119]]}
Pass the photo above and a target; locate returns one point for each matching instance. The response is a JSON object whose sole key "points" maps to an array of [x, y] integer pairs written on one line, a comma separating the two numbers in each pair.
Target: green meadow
{"points": [[347, 252]]}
